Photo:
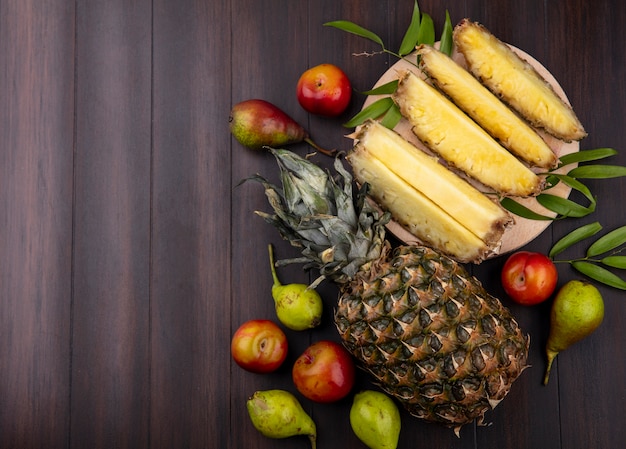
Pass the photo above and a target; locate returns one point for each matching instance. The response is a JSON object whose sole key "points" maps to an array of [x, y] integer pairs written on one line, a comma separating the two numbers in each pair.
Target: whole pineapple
{"points": [[427, 331]]}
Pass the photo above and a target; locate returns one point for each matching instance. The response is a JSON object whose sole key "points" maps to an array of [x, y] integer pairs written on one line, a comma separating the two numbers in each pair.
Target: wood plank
{"points": [[269, 52], [36, 125], [111, 313], [528, 403], [363, 63], [593, 65], [191, 249], [130, 255]]}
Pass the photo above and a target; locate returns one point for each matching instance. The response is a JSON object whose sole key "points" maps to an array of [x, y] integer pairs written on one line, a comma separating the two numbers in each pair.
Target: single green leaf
{"points": [[551, 181], [599, 274], [615, 262], [587, 155], [577, 185], [374, 110], [573, 183], [574, 237], [427, 31], [351, 27], [410, 37], [383, 89], [598, 171], [563, 206], [445, 44], [608, 242], [392, 117], [521, 210]]}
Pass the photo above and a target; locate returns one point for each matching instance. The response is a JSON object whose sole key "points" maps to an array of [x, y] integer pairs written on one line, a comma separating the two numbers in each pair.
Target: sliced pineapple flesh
{"points": [[432, 203], [485, 108], [416, 213], [424, 173], [514, 80], [460, 141]]}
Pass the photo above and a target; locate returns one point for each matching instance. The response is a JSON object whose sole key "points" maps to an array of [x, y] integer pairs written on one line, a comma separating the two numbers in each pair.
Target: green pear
{"points": [[258, 123], [278, 414], [375, 420], [577, 311], [298, 306]]}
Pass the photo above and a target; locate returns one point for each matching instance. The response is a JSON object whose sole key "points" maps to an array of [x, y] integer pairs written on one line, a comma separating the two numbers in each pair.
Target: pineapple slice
{"points": [[431, 202], [449, 132], [515, 81], [416, 213], [424, 173], [485, 108]]}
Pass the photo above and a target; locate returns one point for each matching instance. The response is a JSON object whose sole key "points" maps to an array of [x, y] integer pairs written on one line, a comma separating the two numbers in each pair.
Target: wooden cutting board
{"points": [[523, 230]]}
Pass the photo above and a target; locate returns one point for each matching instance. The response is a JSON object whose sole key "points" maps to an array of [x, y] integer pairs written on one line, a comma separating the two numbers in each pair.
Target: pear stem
{"points": [[551, 356], [313, 439], [330, 153], [270, 249]]}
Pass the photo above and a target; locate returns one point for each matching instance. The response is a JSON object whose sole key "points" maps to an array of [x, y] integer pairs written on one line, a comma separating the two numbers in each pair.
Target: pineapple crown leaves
{"points": [[338, 231]]}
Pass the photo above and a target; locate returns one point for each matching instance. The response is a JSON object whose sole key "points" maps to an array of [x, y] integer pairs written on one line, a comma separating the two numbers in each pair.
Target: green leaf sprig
{"points": [[603, 256], [421, 30], [565, 207]]}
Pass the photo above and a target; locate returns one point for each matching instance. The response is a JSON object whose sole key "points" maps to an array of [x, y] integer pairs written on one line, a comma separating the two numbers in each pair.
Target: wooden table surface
{"points": [[129, 257]]}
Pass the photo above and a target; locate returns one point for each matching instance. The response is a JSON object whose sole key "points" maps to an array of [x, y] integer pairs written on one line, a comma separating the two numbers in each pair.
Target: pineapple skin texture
{"points": [[431, 336], [427, 331], [515, 81]]}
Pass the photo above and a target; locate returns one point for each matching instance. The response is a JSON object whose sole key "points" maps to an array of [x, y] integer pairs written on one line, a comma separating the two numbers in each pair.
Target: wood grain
{"points": [[36, 169], [111, 247], [130, 253]]}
